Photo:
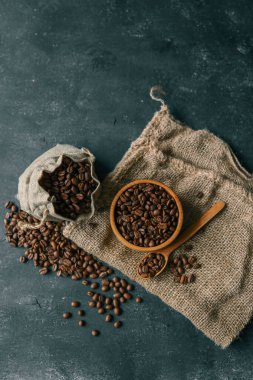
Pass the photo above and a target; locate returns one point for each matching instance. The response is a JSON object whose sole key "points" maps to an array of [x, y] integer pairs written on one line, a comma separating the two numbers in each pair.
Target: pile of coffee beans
{"points": [[71, 185], [50, 250], [180, 264], [146, 215], [151, 265]]}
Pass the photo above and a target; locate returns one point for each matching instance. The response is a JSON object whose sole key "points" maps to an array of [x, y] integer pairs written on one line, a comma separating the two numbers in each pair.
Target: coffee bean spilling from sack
{"points": [[146, 215], [151, 264], [71, 184], [48, 248]]}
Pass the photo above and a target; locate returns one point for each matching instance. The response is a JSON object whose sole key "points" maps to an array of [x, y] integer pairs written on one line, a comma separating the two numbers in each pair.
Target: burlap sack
{"points": [[34, 199], [219, 303]]}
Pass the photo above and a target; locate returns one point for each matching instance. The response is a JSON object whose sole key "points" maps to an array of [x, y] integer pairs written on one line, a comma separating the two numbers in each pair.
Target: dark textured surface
{"points": [[79, 72]]}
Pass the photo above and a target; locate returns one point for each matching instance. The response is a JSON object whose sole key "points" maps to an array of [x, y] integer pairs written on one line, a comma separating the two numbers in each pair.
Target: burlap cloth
{"points": [[220, 302]]}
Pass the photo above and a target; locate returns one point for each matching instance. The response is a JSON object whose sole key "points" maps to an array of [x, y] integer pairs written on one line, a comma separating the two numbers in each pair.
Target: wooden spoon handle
{"points": [[193, 229]]}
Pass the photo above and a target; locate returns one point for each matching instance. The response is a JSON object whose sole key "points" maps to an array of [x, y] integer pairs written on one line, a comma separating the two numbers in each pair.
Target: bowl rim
{"points": [[157, 247]]}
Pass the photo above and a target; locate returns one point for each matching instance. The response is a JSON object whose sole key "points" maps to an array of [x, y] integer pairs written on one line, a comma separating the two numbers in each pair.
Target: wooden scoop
{"points": [[186, 235]]}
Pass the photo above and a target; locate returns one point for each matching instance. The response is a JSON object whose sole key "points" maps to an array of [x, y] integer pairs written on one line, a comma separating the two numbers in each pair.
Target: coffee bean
{"points": [[75, 303], [94, 285], [117, 324], [130, 287], [117, 311], [92, 304], [81, 312], [108, 301], [146, 215], [127, 296], [43, 271], [95, 332], [85, 282], [81, 323], [108, 318], [138, 299], [101, 310], [109, 307], [90, 293], [191, 277], [67, 315], [105, 288], [115, 302], [122, 299], [23, 259], [8, 204], [200, 194]]}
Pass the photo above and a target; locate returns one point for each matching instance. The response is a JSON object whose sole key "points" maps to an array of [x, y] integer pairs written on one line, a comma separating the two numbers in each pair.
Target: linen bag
{"points": [[34, 199], [219, 303]]}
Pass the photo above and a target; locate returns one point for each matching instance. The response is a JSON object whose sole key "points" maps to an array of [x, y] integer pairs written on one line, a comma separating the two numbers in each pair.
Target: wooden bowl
{"points": [[135, 247]]}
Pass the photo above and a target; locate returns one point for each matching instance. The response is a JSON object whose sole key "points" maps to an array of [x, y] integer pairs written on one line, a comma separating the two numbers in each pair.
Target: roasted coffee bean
{"points": [[117, 324], [109, 307], [191, 277], [101, 310], [130, 287], [90, 293], [180, 270], [94, 332], [99, 304], [105, 288], [108, 300], [92, 304], [122, 299], [138, 300], [115, 302], [81, 312], [200, 194], [127, 296], [117, 311], [71, 185], [43, 271], [81, 323], [75, 303], [94, 285], [67, 315], [85, 282], [151, 264], [108, 318], [8, 204], [23, 259], [146, 215]]}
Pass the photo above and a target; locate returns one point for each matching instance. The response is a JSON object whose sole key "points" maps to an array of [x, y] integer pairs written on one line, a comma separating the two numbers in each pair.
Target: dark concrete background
{"points": [[79, 72]]}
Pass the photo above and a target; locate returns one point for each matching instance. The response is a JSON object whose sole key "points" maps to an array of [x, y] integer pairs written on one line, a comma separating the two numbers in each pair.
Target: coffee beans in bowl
{"points": [[146, 215]]}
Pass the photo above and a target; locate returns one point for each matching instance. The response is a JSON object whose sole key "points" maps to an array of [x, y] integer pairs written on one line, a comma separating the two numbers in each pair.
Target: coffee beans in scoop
{"points": [[71, 184], [146, 215], [151, 265]]}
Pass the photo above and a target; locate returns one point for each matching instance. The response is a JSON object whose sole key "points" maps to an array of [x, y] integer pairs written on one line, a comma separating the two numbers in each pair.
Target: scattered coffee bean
{"points": [[200, 194], [43, 271], [146, 215], [67, 315], [95, 332], [101, 310], [138, 300], [151, 264], [92, 304], [117, 311], [108, 318], [23, 259], [81, 323], [75, 303], [94, 285], [81, 312], [85, 282], [117, 324]]}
